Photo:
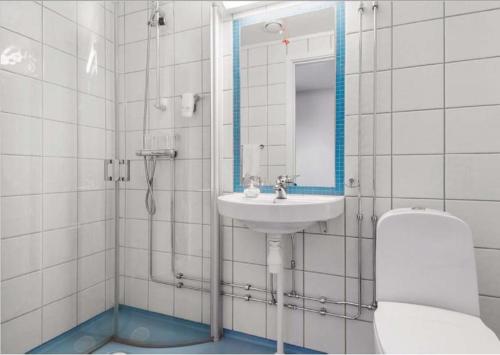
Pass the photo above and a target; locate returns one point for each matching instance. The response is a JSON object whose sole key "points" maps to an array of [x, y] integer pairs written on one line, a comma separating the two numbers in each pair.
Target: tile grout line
{"points": [[42, 51]]}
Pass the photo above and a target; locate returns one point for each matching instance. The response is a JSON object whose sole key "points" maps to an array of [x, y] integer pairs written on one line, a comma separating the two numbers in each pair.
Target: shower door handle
{"points": [[109, 169], [124, 170]]}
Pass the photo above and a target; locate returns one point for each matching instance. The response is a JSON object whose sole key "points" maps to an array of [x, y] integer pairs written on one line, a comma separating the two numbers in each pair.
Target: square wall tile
{"points": [[473, 130], [59, 31], [418, 132], [463, 171], [21, 215], [418, 176], [249, 317], [257, 56], [187, 15], [21, 295], [418, 43], [413, 11], [20, 135], [21, 255], [473, 82], [22, 17], [21, 175], [418, 88], [59, 281], [453, 7], [59, 317], [13, 45], [22, 334], [482, 218], [59, 245], [324, 254], [21, 95], [91, 302], [472, 36], [249, 246], [359, 337]]}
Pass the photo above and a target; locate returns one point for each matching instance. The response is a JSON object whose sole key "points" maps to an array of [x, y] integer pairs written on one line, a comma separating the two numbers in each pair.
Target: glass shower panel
{"points": [[164, 244], [57, 128]]}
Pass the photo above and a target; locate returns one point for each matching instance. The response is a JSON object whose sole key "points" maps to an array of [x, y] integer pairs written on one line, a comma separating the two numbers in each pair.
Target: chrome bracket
{"points": [[116, 170], [109, 169], [124, 165], [323, 226]]}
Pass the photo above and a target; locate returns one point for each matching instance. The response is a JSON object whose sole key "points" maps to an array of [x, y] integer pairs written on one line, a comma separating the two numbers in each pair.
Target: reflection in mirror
{"points": [[287, 88], [312, 122]]}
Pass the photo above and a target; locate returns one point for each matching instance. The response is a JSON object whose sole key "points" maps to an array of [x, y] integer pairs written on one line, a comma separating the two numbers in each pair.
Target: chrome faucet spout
{"points": [[281, 186]]}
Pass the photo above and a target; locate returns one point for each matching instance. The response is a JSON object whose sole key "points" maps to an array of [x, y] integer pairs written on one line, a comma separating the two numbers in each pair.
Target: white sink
{"points": [[269, 215], [278, 218]]}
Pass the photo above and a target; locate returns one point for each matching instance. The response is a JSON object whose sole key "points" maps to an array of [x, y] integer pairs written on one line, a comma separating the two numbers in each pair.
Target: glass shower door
{"points": [[164, 219], [57, 128]]}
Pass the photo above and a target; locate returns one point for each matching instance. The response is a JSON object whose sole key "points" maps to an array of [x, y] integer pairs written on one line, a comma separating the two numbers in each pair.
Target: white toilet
{"points": [[427, 286]]}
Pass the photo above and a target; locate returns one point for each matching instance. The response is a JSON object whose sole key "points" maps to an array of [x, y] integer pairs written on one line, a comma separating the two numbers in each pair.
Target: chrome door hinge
{"points": [[116, 170]]}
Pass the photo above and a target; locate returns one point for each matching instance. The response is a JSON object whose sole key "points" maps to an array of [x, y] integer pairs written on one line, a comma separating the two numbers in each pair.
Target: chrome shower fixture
{"points": [[157, 17]]}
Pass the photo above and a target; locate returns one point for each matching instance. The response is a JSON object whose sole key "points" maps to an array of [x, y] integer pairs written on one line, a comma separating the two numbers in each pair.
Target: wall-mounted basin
{"points": [[280, 216]]}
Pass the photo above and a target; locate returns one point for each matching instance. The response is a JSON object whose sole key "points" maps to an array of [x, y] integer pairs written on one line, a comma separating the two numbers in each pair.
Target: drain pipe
{"points": [[374, 217], [275, 264]]}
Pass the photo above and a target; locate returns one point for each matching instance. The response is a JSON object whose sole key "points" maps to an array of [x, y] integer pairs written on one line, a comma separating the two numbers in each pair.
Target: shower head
{"points": [[157, 17]]}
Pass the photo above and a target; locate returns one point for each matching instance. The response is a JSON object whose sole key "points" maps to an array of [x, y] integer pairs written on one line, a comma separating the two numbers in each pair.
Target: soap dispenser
{"points": [[252, 186]]}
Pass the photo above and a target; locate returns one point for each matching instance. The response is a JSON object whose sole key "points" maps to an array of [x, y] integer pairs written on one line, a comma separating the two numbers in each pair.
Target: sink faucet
{"points": [[282, 183]]}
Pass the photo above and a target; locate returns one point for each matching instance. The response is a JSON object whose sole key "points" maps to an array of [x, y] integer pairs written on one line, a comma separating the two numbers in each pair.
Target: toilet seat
{"points": [[410, 328]]}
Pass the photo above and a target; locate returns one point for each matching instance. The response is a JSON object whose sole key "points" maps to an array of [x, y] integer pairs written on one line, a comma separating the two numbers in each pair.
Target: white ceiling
{"points": [[315, 76], [298, 25]]}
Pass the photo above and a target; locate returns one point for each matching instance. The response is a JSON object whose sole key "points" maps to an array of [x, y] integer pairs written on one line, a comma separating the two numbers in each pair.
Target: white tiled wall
{"points": [[184, 68], [437, 147], [57, 125]]}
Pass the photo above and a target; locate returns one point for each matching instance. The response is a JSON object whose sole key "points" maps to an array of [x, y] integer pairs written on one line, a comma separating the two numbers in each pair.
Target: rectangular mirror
{"points": [[311, 120], [288, 88]]}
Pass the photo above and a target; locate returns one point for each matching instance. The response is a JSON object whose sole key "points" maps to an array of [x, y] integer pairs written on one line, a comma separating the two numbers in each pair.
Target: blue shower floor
{"points": [[232, 343], [227, 345], [143, 327]]}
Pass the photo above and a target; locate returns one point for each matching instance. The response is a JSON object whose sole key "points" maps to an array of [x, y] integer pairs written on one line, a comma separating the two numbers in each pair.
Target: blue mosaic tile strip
{"points": [[339, 98], [236, 108], [339, 105]]}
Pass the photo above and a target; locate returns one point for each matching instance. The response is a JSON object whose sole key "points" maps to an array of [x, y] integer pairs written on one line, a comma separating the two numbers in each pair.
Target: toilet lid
{"points": [[410, 328]]}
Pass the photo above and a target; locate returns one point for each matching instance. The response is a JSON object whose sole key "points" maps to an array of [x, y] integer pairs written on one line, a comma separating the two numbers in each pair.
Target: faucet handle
{"points": [[286, 180]]}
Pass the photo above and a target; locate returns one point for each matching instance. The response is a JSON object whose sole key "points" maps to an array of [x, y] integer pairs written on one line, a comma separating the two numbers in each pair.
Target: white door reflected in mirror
{"points": [[311, 120]]}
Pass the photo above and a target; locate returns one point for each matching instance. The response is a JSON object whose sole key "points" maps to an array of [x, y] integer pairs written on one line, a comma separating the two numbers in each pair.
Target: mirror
{"points": [[286, 95], [311, 121]]}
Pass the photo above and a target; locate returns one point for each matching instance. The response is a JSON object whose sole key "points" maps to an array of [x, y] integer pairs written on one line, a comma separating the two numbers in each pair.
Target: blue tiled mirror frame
{"points": [[339, 112]]}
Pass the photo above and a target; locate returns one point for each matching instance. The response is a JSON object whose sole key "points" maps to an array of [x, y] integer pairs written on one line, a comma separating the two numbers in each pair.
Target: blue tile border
{"points": [[339, 108]]}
